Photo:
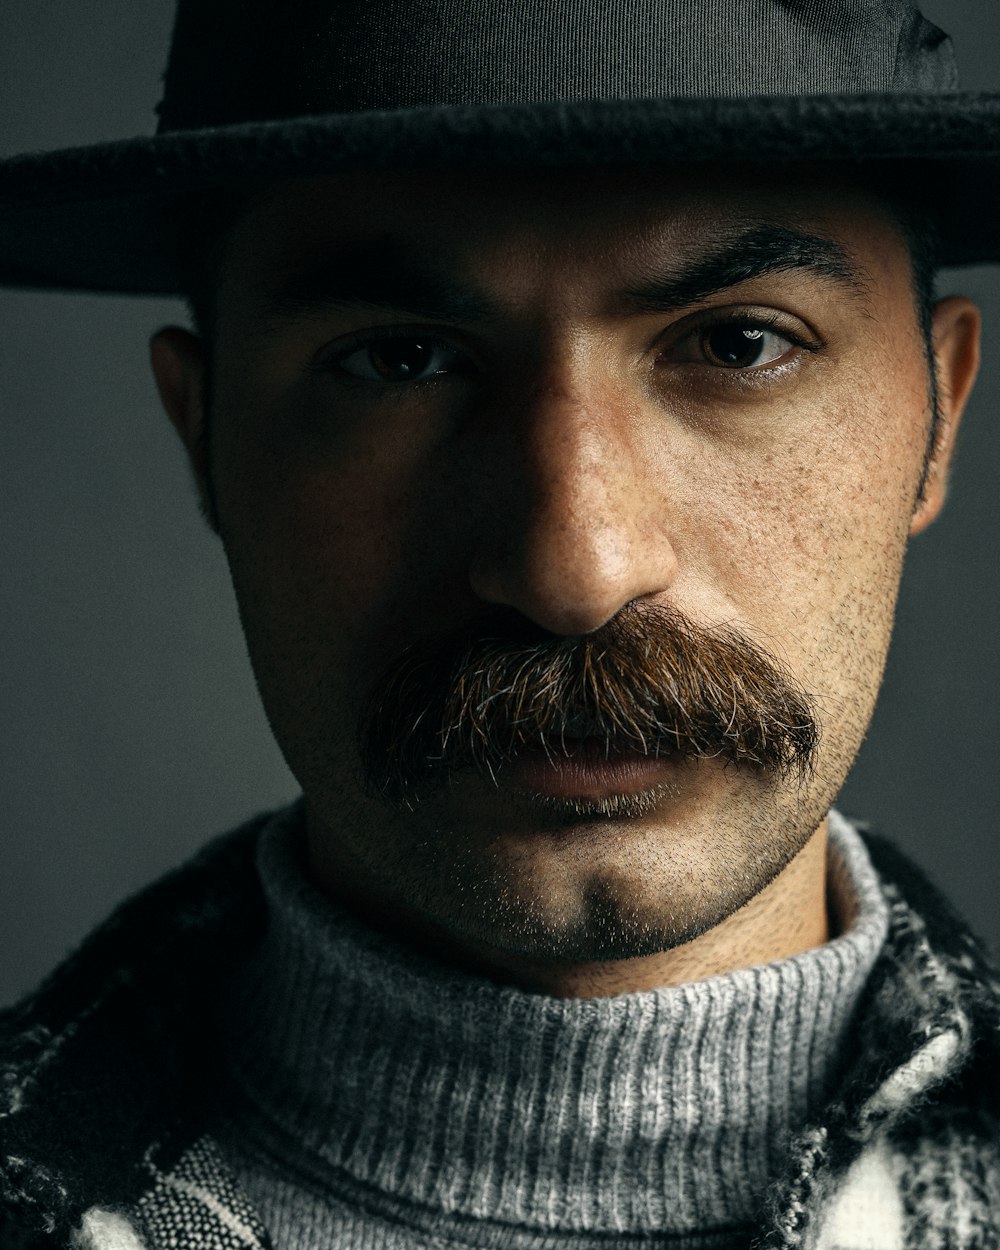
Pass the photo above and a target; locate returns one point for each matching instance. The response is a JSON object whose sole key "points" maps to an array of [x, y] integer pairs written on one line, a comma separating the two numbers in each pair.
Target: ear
{"points": [[956, 330], [179, 363]]}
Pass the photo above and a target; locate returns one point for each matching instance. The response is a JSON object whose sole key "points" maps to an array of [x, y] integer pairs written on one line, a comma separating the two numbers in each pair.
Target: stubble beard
{"points": [[644, 876]]}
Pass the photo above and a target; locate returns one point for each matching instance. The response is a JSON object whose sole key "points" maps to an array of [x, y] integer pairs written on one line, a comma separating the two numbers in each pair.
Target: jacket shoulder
{"points": [[110, 1054]]}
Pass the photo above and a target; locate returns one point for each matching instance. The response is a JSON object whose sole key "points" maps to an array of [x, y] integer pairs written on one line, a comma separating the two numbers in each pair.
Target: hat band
{"points": [[249, 60]]}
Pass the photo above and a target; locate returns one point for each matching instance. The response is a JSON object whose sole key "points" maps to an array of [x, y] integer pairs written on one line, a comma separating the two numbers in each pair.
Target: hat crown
{"points": [[250, 60]]}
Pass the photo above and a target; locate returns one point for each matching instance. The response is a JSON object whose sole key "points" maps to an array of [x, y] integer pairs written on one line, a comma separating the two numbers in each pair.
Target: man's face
{"points": [[525, 407]]}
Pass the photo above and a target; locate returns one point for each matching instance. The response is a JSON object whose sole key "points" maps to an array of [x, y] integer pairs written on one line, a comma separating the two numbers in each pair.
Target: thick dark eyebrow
{"points": [[755, 253], [379, 277]]}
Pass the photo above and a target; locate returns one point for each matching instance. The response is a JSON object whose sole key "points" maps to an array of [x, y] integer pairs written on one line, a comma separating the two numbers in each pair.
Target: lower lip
{"points": [[584, 772]]}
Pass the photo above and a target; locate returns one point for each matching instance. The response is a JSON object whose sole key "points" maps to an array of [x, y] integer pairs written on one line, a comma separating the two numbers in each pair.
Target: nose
{"points": [[572, 525]]}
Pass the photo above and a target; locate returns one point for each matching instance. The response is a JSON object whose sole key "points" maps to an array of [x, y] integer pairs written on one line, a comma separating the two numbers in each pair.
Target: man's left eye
{"points": [[396, 360], [741, 345]]}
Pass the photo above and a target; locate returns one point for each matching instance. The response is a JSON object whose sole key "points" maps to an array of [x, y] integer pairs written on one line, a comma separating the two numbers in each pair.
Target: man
{"points": [[565, 459]]}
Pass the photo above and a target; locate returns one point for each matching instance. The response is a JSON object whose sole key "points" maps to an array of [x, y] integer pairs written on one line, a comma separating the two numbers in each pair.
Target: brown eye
{"points": [[741, 346], [398, 360]]}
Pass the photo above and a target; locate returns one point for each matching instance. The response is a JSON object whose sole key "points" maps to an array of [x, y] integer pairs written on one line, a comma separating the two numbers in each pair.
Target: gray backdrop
{"points": [[132, 729]]}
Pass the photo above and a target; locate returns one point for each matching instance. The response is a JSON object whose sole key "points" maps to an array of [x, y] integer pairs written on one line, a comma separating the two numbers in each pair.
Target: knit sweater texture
{"points": [[381, 1100], [111, 1073]]}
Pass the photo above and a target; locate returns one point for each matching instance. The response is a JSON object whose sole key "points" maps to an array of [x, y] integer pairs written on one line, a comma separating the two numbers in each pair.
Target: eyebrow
{"points": [[754, 253], [374, 276], [380, 276]]}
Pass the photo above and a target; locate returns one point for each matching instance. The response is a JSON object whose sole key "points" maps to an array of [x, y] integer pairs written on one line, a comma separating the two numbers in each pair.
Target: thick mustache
{"points": [[649, 680]]}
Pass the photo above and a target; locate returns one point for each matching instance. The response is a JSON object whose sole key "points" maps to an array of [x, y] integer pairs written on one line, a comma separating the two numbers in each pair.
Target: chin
{"points": [[604, 893], [499, 872]]}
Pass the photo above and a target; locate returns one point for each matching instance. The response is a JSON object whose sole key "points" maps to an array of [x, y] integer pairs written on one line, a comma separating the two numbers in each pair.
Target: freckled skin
{"points": [[567, 475]]}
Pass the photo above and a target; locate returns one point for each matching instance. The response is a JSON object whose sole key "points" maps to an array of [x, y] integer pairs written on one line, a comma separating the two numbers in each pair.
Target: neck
{"points": [[786, 918]]}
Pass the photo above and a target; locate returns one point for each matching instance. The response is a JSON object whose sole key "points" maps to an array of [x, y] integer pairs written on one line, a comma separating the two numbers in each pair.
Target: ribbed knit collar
{"points": [[366, 1067]]}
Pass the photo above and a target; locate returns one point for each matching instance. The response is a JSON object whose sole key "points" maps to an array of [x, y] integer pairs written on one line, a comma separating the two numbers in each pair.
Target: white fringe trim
{"points": [[866, 1213], [106, 1230], [930, 1065]]}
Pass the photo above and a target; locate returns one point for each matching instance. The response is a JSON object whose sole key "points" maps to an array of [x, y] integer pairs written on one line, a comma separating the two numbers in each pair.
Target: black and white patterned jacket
{"points": [[105, 1073]]}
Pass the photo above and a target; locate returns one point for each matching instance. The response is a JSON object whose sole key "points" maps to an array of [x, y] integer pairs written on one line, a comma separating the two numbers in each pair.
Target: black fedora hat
{"points": [[256, 90]]}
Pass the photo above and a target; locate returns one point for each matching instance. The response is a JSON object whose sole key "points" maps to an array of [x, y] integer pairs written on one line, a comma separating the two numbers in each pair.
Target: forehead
{"points": [[595, 221]]}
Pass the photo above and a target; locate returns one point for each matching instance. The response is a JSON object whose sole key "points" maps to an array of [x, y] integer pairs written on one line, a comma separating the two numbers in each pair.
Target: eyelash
{"points": [[751, 320], [382, 334]]}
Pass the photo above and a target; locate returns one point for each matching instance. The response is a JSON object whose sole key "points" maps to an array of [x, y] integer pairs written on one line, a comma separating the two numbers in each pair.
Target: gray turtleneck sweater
{"points": [[381, 1101]]}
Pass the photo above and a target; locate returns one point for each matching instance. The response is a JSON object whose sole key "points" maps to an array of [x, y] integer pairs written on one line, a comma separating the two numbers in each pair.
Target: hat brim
{"points": [[100, 218]]}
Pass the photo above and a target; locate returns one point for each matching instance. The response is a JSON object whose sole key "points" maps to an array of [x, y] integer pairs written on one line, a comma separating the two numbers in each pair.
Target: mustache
{"points": [[649, 680]]}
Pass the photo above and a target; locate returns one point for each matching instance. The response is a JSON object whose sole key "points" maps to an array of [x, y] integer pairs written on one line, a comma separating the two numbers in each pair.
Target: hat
{"points": [[272, 89]]}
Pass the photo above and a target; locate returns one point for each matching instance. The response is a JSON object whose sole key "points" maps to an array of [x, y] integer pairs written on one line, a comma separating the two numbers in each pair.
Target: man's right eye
{"points": [[399, 360]]}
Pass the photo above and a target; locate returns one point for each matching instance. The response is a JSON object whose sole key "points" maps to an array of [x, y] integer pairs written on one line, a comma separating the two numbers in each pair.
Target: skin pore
{"points": [[531, 406]]}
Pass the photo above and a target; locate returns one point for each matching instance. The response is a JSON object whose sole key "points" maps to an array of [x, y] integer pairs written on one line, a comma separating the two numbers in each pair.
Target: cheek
{"points": [[805, 539], [322, 524]]}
